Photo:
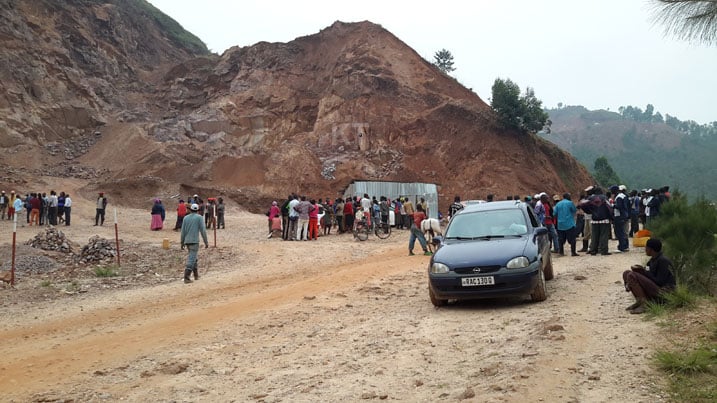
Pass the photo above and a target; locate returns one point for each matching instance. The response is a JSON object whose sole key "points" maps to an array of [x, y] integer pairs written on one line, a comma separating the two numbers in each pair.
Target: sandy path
{"points": [[324, 321]]}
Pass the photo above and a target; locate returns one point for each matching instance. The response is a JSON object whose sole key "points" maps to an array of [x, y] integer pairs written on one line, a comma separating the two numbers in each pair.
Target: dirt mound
{"points": [[350, 102]]}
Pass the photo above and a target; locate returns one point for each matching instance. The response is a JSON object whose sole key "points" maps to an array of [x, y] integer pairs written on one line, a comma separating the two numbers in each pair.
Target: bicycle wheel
{"points": [[383, 231], [361, 233]]}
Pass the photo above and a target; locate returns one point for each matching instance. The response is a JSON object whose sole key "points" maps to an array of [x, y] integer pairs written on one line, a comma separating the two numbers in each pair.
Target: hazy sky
{"points": [[600, 54]]}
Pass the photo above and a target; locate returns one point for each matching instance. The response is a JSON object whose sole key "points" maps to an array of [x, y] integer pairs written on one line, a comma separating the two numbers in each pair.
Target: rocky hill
{"points": [[644, 154], [104, 90]]}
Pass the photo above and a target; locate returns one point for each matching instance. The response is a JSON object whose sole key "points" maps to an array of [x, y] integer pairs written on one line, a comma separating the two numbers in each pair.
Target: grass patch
{"points": [[73, 286], [45, 283], [701, 360], [108, 271], [693, 374], [681, 298], [688, 355], [655, 310]]}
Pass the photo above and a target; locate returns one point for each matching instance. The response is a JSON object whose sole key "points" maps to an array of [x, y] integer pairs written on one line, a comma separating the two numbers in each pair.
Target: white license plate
{"points": [[474, 281]]}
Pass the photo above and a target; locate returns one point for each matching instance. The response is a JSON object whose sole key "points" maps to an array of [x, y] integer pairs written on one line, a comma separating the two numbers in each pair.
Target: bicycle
{"points": [[362, 230]]}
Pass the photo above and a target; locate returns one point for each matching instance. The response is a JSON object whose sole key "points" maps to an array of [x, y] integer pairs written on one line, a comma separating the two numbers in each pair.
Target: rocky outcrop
{"points": [[69, 67], [309, 116]]}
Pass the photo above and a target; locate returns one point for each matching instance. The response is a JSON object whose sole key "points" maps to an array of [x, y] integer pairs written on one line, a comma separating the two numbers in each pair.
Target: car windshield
{"points": [[490, 224]]}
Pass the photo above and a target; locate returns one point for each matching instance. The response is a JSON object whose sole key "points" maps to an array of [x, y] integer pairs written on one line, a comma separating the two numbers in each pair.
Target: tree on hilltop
{"points": [[443, 59], [523, 113], [691, 20]]}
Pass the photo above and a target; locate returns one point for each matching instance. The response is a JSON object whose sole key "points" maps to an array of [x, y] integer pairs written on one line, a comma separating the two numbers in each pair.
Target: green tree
{"points": [[604, 174], [523, 113], [443, 59], [505, 101], [691, 20], [688, 232]]}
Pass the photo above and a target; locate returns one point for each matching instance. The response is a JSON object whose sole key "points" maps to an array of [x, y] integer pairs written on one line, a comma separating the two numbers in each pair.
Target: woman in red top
{"points": [[349, 215], [181, 212], [274, 212], [314, 220]]}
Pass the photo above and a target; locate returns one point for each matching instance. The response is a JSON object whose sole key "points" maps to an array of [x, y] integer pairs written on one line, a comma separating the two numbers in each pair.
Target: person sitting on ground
{"points": [[647, 284]]}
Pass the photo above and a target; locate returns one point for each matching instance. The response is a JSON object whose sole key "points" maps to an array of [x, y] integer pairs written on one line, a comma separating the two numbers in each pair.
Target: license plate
{"points": [[474, 281]]}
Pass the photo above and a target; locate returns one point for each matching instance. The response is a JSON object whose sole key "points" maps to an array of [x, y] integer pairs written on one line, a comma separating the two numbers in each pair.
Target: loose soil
{"points": [[330, 320]]}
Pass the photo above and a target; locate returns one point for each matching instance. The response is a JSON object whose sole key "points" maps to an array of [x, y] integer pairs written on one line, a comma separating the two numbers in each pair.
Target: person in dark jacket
{"points": [[599, 209], [285, 218], [648, 284]]}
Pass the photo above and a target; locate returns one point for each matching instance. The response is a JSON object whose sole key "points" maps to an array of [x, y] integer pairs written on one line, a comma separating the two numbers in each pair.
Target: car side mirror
{"points": [[540, 231]]}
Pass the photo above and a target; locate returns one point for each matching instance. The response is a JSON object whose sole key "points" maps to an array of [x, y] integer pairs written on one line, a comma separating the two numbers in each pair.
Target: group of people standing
{"points": [[39, 208], [596, 216], [43, 209], [302, 217], [212, 211]]}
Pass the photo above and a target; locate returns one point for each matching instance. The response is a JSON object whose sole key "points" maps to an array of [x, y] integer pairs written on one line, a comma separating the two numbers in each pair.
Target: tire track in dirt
{"points": [[37, 357]]}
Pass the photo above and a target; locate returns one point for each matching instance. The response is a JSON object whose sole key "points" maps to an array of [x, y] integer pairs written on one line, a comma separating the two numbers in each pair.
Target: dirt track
{"points": [[330, 320]]}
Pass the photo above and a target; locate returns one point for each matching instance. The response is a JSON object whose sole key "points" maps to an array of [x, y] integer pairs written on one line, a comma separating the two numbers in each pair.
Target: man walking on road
{"points": [[100, 211], [192, 226]]}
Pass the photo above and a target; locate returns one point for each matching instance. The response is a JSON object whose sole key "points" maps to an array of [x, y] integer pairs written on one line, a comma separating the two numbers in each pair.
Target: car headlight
{"points": [[439, 268], [519, 262]]}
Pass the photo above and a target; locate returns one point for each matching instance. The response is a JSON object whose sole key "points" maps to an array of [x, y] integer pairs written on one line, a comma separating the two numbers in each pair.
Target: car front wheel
{"points": [[540, 292], [436, 301], [549, 268]]}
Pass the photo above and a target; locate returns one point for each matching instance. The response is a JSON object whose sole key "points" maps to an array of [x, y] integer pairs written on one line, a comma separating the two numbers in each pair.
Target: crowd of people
{"points": [[37, 208], [301, 217], [597, 216]]}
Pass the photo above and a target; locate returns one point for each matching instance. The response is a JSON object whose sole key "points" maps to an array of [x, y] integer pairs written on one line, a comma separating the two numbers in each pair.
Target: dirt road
{"points": [[331, 320]]}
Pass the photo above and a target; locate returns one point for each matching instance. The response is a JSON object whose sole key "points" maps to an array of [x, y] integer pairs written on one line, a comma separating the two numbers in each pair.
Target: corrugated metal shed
{"points": [[393, 190]]}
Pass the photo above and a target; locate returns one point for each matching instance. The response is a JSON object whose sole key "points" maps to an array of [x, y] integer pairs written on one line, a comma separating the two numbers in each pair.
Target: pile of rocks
{"points": [[97, 250], [52, 239], [74, 147], [74, 171], [31, 264]]}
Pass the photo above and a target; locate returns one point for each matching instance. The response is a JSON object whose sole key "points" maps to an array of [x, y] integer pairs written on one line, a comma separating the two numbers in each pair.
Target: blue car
{"points": [[491, 250]]}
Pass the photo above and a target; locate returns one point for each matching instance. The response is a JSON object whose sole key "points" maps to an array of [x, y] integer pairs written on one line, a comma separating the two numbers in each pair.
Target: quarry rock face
{"points": [[258, 122]]}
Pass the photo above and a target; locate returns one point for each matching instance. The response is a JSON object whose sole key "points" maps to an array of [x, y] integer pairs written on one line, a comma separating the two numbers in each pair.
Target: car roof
{"points": [[491, 206]]}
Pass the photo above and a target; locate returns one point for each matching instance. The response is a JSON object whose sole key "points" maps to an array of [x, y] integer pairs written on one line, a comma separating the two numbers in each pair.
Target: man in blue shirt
{"points": [[192, 227], [565, 212]]}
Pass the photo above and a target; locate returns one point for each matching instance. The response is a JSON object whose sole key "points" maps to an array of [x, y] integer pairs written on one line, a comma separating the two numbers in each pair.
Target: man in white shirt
{"points": [[293, 218], [366, 208], [52, 211], [68, 209]]}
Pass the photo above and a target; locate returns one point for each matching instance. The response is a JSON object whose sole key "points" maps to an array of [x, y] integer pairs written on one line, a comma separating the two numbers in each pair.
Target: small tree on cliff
{"points": [[523, 113], [443, 59]]}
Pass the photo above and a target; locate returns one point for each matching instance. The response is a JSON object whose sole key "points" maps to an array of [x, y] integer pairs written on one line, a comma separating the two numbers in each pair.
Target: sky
{"points": [[599, 54]]}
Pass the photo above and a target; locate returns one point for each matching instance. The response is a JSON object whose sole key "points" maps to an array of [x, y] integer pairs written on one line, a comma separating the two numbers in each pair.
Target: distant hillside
{"points": [[644, 148]]}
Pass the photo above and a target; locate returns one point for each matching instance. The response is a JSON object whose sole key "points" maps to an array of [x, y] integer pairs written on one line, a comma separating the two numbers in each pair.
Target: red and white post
{"points": [[14, 240], [117, 240], [214, 213]]}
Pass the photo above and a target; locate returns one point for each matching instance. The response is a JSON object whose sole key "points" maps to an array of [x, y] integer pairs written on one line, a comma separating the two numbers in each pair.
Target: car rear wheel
{"points": [[540, 292], [435, 301], [548, 270]]}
